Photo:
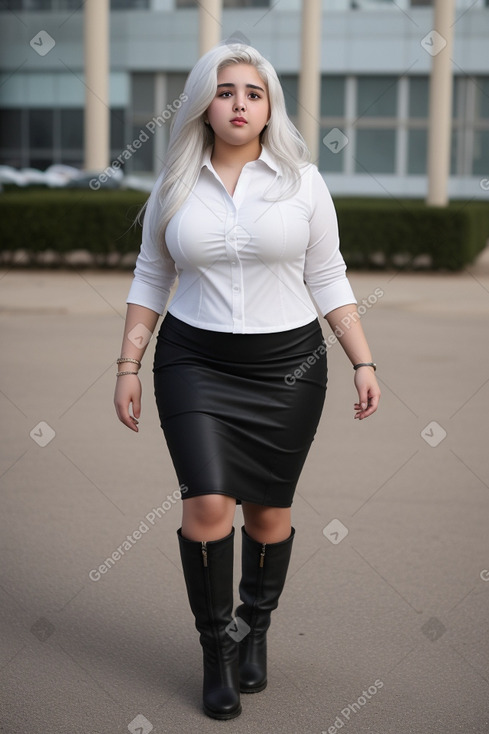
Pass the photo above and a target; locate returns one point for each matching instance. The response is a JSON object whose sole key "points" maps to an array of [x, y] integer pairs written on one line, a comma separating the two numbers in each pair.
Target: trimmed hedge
{"points": [[409, 234], [374, 232], [100, 223]]}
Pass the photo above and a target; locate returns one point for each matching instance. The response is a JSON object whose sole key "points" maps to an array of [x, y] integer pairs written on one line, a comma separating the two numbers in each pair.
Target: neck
{"points": [[235, 156]]}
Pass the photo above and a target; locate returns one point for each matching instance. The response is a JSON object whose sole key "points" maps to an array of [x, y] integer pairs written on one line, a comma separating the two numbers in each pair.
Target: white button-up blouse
{"points": [[244, 264]]}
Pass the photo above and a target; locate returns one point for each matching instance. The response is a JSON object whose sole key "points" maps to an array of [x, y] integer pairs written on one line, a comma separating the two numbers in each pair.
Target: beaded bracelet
{"points": [[119, 374]]}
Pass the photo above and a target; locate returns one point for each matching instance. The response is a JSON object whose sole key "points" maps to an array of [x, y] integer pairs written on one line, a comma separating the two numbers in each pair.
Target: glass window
{"points": [[70, 160], [41, 129], [143, 94], [117, 125], [332, 96], [417, 152], [72, 128], [143, 110], [482, 98], [459, 91], [377, 96], [142, 160], [481, 153], [129, 4], [174, 88], [10, 128], [37, 4], [454, 153], [330, 161], [290, 85], [53, 5], [66, 5], [376, 151], [227, 3], [11, 158], [40, 163], [246, 3], [419, 96]]}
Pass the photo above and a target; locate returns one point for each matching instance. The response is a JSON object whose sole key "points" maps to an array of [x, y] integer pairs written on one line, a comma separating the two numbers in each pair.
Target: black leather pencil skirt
{"points": [[239, 411]]}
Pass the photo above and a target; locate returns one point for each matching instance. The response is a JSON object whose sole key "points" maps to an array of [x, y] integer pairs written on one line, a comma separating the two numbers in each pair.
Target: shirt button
{"points": [[235, 288]]}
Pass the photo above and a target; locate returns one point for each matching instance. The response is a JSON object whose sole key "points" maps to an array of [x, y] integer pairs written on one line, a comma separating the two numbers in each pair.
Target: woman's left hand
{"points": [[368, 392]]}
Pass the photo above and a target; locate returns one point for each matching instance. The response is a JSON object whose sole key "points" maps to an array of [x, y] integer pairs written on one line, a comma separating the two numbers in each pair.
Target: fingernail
{"points": [[364, 405]]}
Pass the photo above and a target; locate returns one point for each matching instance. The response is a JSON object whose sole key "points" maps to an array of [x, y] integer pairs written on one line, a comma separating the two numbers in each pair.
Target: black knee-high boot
{"points": [[264, 568], [208, 572]]}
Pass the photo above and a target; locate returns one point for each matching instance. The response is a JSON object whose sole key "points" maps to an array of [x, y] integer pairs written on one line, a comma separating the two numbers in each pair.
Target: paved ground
{"points": [[386, 631]]}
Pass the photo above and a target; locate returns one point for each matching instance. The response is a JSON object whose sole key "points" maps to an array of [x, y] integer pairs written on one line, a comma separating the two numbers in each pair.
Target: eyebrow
{"points": [[249, 86]]}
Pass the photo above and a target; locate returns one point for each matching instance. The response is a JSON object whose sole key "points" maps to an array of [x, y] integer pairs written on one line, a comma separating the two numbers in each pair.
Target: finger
{"points": [[126, 418], [136, 407], [131, 423], [362, 398], [372, 405]]}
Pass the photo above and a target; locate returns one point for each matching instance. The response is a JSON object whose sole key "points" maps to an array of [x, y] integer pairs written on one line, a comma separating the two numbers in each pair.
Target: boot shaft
{"points": [[208, 572], [264, 571]]}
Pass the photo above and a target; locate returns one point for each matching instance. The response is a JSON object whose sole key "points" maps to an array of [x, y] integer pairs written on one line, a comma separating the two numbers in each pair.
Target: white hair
{"points": [[190, 136]]}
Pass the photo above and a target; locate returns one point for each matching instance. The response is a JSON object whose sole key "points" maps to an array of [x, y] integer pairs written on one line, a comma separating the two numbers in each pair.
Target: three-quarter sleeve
{"points": [[154, 274], [325, 268]]}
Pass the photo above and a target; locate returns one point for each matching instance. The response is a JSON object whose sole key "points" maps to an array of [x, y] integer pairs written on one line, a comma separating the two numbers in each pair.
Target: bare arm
{"points": [[345, 323], [139, 326]]}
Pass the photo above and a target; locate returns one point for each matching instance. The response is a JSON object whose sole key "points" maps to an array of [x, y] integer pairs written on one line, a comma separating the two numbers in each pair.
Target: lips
{"points": [[239, 120]]}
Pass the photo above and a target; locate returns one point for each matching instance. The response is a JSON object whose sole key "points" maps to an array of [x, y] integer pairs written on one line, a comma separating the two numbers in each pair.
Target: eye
{"points": [[224, 94], [254, 95]]}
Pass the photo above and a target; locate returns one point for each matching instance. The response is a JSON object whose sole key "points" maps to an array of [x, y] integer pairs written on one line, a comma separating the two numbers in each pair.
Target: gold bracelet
{"points": [[128, 359], [119, 374]]}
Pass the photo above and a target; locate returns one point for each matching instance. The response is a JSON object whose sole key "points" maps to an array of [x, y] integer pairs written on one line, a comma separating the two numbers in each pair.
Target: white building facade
{"points": [[375, 63]]}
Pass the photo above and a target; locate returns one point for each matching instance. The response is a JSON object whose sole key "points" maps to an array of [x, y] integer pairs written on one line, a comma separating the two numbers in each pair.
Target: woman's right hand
{"points": [[128, 392]]}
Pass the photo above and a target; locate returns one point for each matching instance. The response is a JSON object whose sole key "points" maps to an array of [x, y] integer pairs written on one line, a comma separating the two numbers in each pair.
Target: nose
{"points": [[239, 105]]}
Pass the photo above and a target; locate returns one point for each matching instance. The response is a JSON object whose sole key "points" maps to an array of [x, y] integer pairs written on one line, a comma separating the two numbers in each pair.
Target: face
{"points": [[239, 111]]}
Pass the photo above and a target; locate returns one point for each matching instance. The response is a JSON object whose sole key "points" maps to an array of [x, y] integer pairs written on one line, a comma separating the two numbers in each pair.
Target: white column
{"points": [[96, 50], [440, 110], [310, 76], [210, 14]]}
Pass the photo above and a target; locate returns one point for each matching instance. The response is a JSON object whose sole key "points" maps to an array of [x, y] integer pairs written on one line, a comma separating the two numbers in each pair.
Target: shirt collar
{"points": [[264, 156]]}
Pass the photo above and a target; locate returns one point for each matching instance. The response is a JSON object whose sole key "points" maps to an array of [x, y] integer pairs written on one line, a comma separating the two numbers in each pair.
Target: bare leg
{"points": [[267, 524], [208, 517]]}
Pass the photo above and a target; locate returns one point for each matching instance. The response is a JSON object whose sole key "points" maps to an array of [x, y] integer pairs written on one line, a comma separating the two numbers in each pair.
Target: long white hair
{"points": [[190, 136]]}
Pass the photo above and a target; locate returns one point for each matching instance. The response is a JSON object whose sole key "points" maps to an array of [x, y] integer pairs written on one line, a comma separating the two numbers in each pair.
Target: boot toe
{"points": [[251, 678], [222, 703]]}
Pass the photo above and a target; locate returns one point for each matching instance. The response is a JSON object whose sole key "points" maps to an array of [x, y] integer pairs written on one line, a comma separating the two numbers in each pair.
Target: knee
{"points": [[268, 524], [209, 510]]}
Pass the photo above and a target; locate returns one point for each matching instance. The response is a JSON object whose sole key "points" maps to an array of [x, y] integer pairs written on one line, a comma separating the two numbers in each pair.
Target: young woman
{"points": [[246, 223]]}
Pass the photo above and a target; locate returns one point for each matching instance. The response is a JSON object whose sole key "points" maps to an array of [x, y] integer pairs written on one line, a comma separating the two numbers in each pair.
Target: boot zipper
{"points": [[210, 610], [259, 584]]}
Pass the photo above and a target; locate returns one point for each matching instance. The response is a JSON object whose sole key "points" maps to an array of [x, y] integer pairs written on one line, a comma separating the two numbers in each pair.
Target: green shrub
{"points": [[98, 222], [374, 232], [409, 234]]}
